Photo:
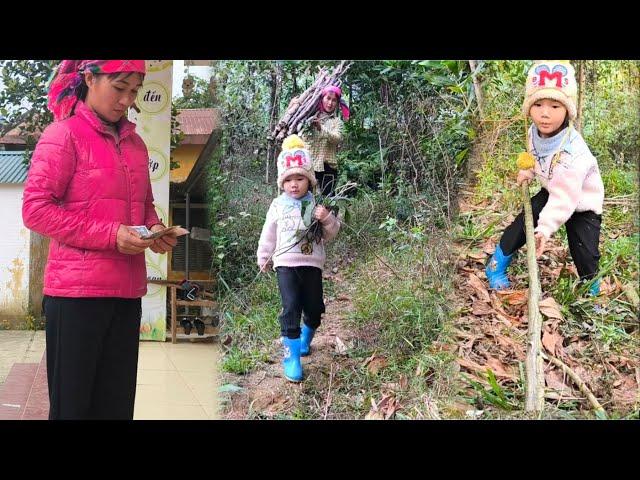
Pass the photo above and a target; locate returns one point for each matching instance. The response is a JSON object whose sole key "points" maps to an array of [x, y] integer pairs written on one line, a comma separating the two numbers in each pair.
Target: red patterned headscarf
{"points": [[68, 76], [344, 108]]}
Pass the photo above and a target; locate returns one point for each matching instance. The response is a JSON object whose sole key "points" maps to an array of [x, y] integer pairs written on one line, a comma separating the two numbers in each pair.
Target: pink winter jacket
{"points": [[575, 184], [278, 241], [81, 187]]}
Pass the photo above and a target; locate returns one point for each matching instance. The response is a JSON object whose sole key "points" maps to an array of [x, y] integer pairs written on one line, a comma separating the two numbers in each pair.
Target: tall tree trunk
{"points": [[581, 86], [294, 78], [477, 87], [274, 100], [389, 162], [38, 254]]}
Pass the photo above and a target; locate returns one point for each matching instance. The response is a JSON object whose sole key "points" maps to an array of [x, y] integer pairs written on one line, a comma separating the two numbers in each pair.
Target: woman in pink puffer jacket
{"points": [[88, 183]]}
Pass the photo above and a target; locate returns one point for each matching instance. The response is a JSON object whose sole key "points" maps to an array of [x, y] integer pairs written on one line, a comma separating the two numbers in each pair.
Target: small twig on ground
{"points": [[578, 381], [327, 403]]}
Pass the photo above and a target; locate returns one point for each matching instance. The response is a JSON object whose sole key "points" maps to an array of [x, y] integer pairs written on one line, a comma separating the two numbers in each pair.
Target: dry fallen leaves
{"points": [[479, 286], [495, 365], [500, 369], [341, 348], [479, 256], [550, 308], [481, 308], [375, 363], [555, 379], [384, 409], [552, 342], [374, 413], [515, 297], [626, 393], [498, 308], [489, 247]]}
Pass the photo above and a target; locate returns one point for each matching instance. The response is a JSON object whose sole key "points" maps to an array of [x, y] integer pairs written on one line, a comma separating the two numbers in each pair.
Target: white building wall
{"points": [[14, 257]]}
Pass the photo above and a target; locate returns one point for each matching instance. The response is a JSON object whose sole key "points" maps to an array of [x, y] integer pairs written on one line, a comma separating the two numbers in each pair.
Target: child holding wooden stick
{"points": [[298, 261], [572, 190]]}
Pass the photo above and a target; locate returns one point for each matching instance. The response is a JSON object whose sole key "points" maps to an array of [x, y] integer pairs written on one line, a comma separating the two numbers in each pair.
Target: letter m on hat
{"points": [[558, 72], [294, 158]]}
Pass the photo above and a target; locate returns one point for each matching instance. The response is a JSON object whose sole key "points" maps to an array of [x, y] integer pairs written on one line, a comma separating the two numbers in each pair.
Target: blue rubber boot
{"points": [[497, 270], [291, 361], [594, 291], [305, 340]]}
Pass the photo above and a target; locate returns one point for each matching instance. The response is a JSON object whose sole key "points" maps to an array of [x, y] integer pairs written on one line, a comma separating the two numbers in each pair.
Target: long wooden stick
{"points": [[534, 366], [579, 382]]}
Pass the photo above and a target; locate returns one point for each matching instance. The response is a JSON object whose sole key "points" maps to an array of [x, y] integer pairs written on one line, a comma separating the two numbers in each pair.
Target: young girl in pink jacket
{"points": [[298, 264], [572, 191], [88, 184]]}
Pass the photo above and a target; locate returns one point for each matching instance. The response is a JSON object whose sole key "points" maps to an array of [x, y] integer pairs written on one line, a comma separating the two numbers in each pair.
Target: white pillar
{"points": [[154, 126]]}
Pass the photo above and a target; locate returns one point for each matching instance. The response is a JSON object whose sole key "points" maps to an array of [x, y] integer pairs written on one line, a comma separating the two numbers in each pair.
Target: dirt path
{"points": [[267, 394]]}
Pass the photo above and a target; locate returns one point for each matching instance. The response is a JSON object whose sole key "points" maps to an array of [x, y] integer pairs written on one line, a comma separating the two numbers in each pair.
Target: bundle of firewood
{"points": [[303, 107]]}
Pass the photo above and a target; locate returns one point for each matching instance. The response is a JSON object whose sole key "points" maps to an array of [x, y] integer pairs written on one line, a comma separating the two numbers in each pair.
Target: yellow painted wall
{"points": [[186, 156]]}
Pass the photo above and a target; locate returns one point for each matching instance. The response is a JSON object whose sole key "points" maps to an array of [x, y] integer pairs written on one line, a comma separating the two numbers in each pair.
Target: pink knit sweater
{"points": [[575, 184], [279, 234]]}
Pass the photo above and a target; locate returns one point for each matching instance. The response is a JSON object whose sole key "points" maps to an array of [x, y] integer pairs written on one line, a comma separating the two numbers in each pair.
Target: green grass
{"points": [[619, 182], [251, 321], [620, 257], [471, 230], [242, 361], [401, 317], [615, 217], [489, 180]]}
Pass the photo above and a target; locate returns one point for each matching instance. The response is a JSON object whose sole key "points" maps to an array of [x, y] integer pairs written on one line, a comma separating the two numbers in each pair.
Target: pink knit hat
{"points": [[295, 159]]}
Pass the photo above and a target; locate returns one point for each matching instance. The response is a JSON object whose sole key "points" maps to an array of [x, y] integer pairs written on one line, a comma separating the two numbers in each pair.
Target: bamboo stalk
{"points": [[534, 365]]}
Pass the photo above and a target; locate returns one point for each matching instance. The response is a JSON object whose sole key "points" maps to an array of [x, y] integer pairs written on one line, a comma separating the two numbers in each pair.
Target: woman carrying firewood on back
{"points": [[324, 136]]}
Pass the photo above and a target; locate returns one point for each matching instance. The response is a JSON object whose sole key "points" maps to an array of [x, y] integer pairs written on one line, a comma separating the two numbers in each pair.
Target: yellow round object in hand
{"points": [[525, 161]]}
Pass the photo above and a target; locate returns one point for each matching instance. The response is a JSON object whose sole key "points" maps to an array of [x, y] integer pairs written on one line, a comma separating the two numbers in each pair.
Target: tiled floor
{"points": [[175, 382], [16, 390], [19, 346]]}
